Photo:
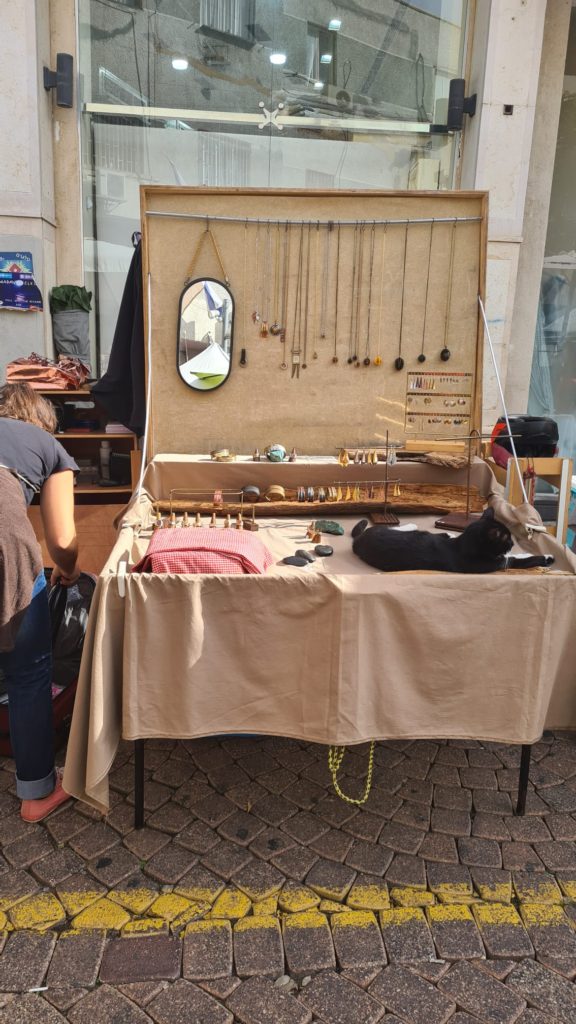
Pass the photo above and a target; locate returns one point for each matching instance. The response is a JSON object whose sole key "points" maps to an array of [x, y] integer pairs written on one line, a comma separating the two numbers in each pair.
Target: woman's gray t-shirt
{"points": [[33, 453]]}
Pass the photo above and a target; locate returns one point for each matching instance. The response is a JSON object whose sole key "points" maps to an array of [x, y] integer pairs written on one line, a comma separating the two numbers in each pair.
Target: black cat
{"points": [[482, 547]]}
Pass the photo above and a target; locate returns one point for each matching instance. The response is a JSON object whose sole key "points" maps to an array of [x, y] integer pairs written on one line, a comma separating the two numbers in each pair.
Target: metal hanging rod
{"points": [[352, 223]]}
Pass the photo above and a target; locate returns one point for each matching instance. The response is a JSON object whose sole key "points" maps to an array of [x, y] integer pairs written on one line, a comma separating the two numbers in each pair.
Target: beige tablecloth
{"points": [[339, 653]]}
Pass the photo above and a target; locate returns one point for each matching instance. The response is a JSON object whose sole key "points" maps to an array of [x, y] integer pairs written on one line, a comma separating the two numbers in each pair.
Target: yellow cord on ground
{"points": [[335, 758]]}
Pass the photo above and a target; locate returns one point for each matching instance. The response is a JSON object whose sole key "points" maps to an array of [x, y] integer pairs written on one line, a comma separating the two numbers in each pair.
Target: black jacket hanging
{"points": [[122, 389]]}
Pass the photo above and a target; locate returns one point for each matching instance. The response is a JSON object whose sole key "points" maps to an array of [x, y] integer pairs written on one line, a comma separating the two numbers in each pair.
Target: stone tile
{"points": [[241, 828], [305, 827], [143, 958], [335, 1001], [529, 830], [549, 929], [334, 811], [271, 843], [76, 960], [406, 870], [481, 995], [449, 880], [274, 809], [452, 755], [455, 934], [564, 965], [439, 847], [296, 863], [94, 841], [258, 763], [412, 998], [413, 815], [330, 880], [114, 867], [221, 988], [401, 838], [562, 826], [169, 864], [278, 780], [246, 794], [231, 904], [65, 824], [295, 898], [183, 1001], [25, 959], [145, 842], [478, 778], [492, 885], [56, 867], [546, 990], [486, 801], [78, 891], [226, 858], [198, 837], [481, 853], [454, 823], [557, 856], [444, 775], [12, 827], [174, 773], [214, 809], [536, 887], [61, 998], [258, 1001], [407, 937], [364, 826], [258, 880], [191, 793], [369, 858], [171, 817], [480, 758], [334, 845], [499, 969], [452, 798], [141, 992], [531, 1016], [383, 802], [520, 857], [29, 849], [207, 950], [357, 939], [307, 942], [30, 1009], [258, 948], [304, 794], [561, 798], [417, 792], [490, 826]]}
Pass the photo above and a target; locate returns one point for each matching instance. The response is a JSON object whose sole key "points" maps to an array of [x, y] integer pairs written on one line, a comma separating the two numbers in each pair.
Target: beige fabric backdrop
{"points": [[339, 653]]}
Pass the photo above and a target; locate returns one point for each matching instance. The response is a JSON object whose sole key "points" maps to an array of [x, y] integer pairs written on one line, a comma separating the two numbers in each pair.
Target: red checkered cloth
{"points": [[204, 550]]}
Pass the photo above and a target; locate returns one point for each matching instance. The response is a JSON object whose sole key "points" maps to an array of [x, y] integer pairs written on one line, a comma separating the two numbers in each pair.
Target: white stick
{"points": [[499, 382], [148, 388]]}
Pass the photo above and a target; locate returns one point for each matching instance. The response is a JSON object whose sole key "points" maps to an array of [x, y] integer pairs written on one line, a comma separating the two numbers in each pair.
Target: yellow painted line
{"points": [[266, 908], [169, 906], [39, 913], [231, 904], [407, 896], [146, 926], [542, 915], [501, 892], [568, 887], [306, 919], [443, 913], [496, 914], [199, 893], [193, 912], [102, 915], [294, 899], [204, 927], [369, 897], [331, 907], [541, 891], [248, 924], [354, 919], [400, 916], [137, 901], [75, 902]]}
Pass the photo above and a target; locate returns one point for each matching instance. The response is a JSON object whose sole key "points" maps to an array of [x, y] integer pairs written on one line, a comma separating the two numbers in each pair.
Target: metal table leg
{"points": [[523, 780], [138, 783]]}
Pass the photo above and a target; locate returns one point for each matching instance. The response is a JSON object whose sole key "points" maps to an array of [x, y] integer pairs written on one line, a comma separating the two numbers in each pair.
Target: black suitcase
{"points": [[534, 436]]}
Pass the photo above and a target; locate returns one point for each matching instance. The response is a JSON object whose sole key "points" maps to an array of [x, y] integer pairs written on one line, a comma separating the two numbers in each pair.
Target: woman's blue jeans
{"points": [[27, 671]]}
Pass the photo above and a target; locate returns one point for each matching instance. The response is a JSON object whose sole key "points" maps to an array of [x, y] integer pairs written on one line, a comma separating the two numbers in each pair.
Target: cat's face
{"points": [[490, 535]]}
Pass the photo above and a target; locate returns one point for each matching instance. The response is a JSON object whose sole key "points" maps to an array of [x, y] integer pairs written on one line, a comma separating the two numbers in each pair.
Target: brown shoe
{"points": [[37, 810]]}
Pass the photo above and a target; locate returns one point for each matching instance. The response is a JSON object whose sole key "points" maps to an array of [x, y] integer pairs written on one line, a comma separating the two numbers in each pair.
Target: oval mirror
{"points": [[205, 327]]}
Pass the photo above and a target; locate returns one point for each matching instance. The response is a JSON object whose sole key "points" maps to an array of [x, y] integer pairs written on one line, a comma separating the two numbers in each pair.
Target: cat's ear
{"points": [[488, 513]]}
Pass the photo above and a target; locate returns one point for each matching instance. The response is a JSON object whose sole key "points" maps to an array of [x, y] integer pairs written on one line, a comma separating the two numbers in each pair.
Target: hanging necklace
{"points": [[378, 357], [256, 313], [305, 326], [445, 353], [266, 285], [335, 355], [295, 350], [399, 362], [359, 294], [422, 357], [316, 313], [351, 357], [245, 292], [325, 281], [286, 272], [371, 271], [276, 326]]}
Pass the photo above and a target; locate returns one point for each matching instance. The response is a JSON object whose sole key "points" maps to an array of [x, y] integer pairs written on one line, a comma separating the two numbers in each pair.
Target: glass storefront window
{"points": [[264, 93], [553, 378]]}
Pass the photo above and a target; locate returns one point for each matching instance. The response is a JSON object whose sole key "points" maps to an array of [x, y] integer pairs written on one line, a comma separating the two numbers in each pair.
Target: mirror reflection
{"points": [[205, 324]]}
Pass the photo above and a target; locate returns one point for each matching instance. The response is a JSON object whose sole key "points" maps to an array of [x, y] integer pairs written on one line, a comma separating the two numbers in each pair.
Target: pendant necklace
{"points": [[316, 313], [245, 292], [399, 362], [371, 271], [378, 357], [285, 271], [256, 314], [295, 350], [325, 281], [351, 356], [276, 326], [266, 285], [445, 353], [305, 305], [337, 272], [422, 357], [359, 295]]}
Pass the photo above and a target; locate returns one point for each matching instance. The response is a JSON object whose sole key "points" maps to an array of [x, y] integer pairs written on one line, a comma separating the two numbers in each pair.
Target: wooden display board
{"points": [[412, 290]]}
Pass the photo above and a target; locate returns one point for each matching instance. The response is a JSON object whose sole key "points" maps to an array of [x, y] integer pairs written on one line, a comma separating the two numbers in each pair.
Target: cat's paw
{"points": [[548, 560]]}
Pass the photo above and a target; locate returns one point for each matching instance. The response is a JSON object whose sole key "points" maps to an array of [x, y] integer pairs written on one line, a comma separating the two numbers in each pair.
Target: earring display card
{"points": [[338, 302], [438, 400]]}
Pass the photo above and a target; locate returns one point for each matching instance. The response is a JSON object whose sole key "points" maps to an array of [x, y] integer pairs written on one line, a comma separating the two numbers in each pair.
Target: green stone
{"points": [[329, 526]]}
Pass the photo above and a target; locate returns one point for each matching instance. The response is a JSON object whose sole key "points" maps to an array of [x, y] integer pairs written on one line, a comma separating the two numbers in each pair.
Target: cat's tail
{"points": [[359, 528]]}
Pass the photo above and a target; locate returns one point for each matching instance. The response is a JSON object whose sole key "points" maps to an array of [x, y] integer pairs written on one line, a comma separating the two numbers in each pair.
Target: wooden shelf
{"points": [[100, 434], [60, 393], [97, 489]]}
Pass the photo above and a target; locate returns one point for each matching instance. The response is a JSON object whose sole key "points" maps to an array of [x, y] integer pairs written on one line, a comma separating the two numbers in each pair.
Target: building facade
{"points": [[305, 93]]}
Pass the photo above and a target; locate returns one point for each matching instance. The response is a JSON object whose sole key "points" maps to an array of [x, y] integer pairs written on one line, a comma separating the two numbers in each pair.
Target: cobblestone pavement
{"points": [[256, 895]]}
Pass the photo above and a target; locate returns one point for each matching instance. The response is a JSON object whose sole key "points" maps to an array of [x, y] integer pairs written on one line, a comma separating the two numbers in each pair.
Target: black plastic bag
{"points": [[69, 607]]}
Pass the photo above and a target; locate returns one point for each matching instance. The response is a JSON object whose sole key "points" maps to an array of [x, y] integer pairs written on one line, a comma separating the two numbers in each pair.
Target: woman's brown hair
{"points": [[21, 402]]}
